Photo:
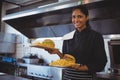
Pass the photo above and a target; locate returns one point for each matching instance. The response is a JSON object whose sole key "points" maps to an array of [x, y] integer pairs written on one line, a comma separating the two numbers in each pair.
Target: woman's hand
{"points": [[80, 67], [55, 51], [52, 51]]}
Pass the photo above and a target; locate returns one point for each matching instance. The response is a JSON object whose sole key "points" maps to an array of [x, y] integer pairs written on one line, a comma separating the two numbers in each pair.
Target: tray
{"points": [[64, 66], [43, 47], [60, 66]]}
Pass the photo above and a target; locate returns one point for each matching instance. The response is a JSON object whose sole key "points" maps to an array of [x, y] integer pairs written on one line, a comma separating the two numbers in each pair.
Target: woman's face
{"points": [[79, 19]]}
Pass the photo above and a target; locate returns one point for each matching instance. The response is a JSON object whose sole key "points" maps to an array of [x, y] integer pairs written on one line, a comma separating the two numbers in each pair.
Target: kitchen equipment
{"points": [[8, 65], [28, 60], [31, 59], [49, 15], [57, 73], [114, 48], [45, 72], [8, 59]]}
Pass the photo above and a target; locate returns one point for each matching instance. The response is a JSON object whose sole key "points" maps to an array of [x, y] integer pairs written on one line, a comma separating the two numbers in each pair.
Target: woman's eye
{"points": [[73, 16], [79, 16]]}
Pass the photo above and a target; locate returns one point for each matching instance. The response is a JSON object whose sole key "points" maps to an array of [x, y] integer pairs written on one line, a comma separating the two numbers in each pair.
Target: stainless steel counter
{"points": [[46, 72], [108, 76], [11, 77], [41, 71], [22, 64], [27, 64]]}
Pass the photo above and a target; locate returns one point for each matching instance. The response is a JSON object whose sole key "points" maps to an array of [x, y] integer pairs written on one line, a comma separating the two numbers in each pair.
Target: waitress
{"points": [[85, 44]]}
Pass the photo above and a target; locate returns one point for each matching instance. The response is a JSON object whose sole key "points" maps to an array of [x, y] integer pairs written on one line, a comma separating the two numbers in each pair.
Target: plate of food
{"points": [[66, 61], [46, 44], [61, 63], [42, 46]]}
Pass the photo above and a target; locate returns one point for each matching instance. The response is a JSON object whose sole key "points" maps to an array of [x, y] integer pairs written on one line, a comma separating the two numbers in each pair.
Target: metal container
{"points": [[29, 60]]}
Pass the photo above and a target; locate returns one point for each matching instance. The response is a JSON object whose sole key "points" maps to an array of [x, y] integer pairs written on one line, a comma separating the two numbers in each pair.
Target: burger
{"points": [[48, 43], [69, 58]]}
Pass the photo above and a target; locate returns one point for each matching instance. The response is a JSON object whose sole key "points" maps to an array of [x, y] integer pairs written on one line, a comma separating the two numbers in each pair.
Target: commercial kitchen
{"points": [[23, 22]]}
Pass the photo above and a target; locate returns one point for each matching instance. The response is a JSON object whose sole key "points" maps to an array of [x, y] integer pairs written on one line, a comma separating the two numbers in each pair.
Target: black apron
{"points": [[72, 74]]}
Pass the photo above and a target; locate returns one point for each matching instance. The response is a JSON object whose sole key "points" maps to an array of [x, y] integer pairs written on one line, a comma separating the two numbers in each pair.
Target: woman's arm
{"points": [[80, 67], [55, 51]]}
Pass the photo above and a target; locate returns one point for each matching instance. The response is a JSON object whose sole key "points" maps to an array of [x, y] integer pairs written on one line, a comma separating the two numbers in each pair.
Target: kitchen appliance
{"points": [[45, 72], [31, 59], [52, 19], [8, 59], [36, 22], [8, 65], [57, 73], [114, 48]]}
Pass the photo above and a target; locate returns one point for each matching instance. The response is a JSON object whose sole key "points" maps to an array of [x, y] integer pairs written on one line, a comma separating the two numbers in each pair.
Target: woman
{"points": [[85, 44]]}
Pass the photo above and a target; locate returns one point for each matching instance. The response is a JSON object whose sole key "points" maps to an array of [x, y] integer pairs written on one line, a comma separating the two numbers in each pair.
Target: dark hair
{"points": [[84, 10]]}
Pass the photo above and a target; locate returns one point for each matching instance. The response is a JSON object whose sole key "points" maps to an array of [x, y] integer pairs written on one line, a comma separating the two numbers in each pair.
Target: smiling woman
{"points": [[86, 45]]}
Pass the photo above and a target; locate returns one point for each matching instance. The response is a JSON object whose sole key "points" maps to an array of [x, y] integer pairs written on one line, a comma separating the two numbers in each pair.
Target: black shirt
{"points": [[87, 47]]}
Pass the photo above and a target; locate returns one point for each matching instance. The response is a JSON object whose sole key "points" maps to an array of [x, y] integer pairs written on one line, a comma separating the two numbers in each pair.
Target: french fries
{"points": [[68, 60], [61, 63]]}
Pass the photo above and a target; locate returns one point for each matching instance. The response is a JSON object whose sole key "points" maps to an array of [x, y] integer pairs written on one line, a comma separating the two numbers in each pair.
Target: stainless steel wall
{"points": [[7, 43]]}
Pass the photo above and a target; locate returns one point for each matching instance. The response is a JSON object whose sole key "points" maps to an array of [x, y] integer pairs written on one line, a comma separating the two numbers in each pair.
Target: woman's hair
{"points": [[84, 10]]}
